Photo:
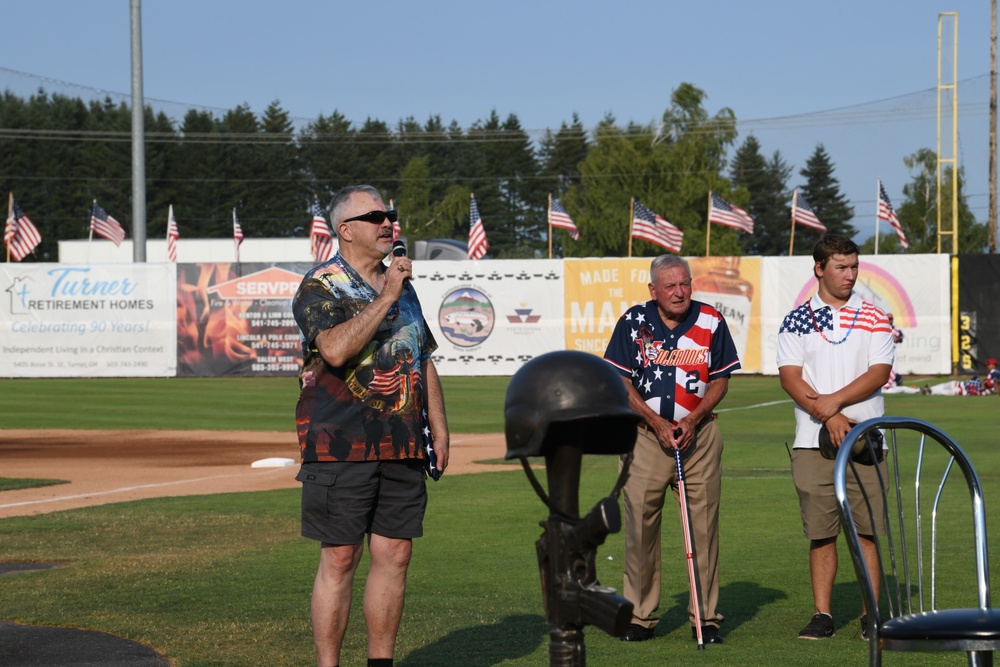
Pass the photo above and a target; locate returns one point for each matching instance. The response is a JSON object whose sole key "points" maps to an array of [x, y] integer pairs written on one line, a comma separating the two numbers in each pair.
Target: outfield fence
{"points": [[489, 317]]}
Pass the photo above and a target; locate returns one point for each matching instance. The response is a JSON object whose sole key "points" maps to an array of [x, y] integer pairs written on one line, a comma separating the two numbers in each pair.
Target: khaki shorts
{"points": [[813, 477]]}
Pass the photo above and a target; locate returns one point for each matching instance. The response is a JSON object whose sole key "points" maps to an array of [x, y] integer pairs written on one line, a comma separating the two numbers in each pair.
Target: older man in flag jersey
{"points": [[675, 356]]}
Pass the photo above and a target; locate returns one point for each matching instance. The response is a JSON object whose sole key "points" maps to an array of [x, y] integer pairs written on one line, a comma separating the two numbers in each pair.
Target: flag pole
{"points": [[312, 237], [795, 202], [236, 246], [548, 215], [708, 225], [10, 213], [90, 237], [631, 223], [878, 200]]}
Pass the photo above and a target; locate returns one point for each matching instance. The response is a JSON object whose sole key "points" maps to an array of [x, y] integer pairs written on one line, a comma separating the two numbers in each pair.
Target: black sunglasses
{"points": [[376, 217]]}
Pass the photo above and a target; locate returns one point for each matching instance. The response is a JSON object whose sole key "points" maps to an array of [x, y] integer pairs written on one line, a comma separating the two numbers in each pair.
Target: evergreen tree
{"points": [[195, 187], [918, 212], [276, 194], [377, 163], [560, 155], [822, 191], [506, 188], [765, 181], [162, 175]]}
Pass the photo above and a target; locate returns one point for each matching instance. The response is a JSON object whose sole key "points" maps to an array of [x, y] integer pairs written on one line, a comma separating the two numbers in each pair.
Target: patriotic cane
{"points": [[689, 551]]}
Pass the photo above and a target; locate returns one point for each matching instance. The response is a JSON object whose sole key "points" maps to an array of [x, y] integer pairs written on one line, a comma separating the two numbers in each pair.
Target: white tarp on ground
{"points": [[67, 320]]}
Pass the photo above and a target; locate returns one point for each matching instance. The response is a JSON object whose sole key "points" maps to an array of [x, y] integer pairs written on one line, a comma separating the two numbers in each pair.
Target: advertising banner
{"points": [[914, 288], [598, 291], [490, 317], [237, 319], [68, 320]]}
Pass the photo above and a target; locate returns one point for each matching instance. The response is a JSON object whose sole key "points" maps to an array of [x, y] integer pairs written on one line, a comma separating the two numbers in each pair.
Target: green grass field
{"points": [[224, 580]]}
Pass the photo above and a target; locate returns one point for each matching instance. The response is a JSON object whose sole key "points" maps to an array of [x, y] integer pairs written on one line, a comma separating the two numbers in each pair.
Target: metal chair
{"points": [[933, 593]]}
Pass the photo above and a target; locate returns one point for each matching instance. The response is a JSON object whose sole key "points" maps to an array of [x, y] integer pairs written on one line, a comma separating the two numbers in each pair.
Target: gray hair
{"points": [[343, 196], [667, 261]]}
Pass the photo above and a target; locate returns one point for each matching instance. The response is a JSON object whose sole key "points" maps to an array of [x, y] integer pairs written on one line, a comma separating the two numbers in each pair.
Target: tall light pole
{"points": [[992, 222], [138, 140]]}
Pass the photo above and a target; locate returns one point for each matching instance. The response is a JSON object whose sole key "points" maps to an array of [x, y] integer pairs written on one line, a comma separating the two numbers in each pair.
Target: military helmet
{"points": [[575, 396]]}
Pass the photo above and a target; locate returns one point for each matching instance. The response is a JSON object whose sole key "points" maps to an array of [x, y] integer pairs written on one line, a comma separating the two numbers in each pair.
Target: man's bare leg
{"points": [[331, 599], [384, 593], [873, 565], [823, 572]]}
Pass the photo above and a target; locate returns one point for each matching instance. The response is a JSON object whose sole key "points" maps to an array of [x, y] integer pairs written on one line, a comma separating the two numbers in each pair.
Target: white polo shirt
{"points": [[835, 346]]}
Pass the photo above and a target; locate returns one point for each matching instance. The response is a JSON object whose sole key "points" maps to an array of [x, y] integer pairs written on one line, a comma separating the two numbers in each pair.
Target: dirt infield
{"points": [[115, 466]]}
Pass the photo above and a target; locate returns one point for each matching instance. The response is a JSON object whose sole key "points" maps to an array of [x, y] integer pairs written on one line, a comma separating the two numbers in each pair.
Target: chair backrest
{"points": [[933, 550]]}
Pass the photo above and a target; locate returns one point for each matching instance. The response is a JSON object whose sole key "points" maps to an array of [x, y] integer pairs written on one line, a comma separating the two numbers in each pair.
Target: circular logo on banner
{"points": [[466, 317]]}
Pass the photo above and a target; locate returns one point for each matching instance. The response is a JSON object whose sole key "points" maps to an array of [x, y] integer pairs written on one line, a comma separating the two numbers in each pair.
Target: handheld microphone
{"points": [[399, 250]]}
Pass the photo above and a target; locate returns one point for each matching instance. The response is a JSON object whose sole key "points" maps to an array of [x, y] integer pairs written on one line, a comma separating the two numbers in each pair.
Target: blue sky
{"points": [[857, 76]]}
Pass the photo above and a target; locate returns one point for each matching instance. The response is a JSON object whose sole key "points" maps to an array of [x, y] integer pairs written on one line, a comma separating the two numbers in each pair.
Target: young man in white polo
{"points": [[834, 354]]}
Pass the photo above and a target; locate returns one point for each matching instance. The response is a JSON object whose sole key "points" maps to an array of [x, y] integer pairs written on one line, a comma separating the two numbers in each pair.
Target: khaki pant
{"points": [[653, 471]]}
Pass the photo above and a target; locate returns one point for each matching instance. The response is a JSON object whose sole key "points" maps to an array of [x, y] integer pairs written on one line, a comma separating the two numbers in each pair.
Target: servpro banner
{"points": [[67, 320], [237, 319]]}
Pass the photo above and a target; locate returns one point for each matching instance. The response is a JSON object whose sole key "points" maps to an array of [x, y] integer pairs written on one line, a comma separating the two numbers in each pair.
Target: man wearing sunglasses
{"points": [[370, 400]]}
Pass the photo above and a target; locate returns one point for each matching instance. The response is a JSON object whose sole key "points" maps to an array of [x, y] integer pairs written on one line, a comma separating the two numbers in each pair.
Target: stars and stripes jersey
{"points": [[671, 368], [834, 347]]}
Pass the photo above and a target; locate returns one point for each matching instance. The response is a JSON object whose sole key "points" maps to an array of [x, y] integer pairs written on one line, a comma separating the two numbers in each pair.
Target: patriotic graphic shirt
{"points": [[834, 347], [373, 407], [671, 368]]}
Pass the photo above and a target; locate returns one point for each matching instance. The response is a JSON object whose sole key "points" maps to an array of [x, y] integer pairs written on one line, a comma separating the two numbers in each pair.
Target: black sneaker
{"points": [[709, 635], [820, 627], [864, 627], [637, 633]]}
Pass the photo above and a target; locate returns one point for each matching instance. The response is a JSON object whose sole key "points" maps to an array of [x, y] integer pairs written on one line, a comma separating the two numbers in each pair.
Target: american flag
{"points": [[432, 462], [320, 237], [804, 215], [386, 382], [173, 235], [649, 226], [723, 213], [802, 321], [105, 225], [558, 217], [20, 235], [237, 235], [478, 245], [886, 213]]}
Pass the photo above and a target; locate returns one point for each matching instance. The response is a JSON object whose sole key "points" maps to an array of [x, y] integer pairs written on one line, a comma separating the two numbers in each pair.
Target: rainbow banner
{"points": [[914, 288]]}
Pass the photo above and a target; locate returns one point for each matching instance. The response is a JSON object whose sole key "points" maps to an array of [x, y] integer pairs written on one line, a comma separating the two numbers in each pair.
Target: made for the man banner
{"points": [[67, 320], [598, 291]]}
